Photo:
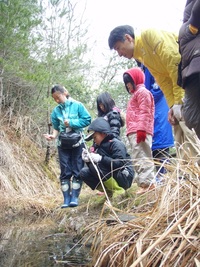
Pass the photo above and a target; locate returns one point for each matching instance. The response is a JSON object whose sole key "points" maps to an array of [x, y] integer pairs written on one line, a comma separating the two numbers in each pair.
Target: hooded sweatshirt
{"points": [[140, 107]]}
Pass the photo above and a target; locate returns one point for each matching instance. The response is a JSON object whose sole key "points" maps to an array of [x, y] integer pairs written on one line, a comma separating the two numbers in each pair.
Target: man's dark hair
{"points": [[118, 33]]}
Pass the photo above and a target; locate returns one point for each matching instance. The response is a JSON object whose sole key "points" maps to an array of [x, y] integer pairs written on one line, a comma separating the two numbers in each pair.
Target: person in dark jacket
{"points": [[189, 68], [110, 161], [106, 108]]}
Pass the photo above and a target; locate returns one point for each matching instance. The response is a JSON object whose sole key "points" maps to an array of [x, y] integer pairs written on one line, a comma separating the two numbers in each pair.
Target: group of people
{"points": [[106, 163], [107, 159], [173, 62]]}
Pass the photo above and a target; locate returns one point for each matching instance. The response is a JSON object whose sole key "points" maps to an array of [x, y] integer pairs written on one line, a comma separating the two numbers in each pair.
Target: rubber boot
{"points": [[112, 186], [65, 187], [76, 189]]}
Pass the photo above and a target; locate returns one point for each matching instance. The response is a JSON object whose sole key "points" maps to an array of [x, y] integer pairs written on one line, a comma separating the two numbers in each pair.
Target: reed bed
{"points": [[165, 225], [25, 181], [165, 229]]}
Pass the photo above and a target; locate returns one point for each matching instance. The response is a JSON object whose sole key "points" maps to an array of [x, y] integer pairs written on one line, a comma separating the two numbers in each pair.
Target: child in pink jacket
{"points": [[139, 127]]}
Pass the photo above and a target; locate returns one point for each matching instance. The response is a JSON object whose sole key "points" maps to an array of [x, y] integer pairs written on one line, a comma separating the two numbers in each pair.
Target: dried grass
{"points": [[25, 181], [165, 230]]}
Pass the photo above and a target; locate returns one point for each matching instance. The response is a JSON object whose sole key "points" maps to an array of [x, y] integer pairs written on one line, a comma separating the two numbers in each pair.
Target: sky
{"points": [[104, 15]]}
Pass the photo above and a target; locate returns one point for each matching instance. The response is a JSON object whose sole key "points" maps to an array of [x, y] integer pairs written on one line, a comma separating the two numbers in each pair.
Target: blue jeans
{"points": [[70, 162]]}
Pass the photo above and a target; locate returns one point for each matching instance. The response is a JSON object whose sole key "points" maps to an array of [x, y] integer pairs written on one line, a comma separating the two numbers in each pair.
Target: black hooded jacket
{"points": [[113, 151]]}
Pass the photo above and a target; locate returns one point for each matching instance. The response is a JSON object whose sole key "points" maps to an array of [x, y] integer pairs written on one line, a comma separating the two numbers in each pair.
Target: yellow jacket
{"points": [[158, 51]]}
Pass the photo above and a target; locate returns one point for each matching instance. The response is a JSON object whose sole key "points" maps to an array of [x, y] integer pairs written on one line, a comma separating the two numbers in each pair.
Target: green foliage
{"points": [[46, 44], [41, 45], [17, 20]]}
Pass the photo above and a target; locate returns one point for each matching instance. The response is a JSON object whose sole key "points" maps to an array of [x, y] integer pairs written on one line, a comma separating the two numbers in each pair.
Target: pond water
{"points": [[39, 244]]}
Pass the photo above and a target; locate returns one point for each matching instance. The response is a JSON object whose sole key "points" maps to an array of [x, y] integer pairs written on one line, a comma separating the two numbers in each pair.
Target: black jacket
{"points": [[115, 121], [115, 160], [189, 43]]}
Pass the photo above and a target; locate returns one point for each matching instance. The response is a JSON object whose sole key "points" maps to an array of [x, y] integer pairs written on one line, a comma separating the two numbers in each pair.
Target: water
{"points": [[39, 244]]}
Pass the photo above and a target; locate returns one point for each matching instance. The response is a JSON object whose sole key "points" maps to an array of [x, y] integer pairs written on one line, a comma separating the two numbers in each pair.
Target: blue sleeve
{"points": [[151, 85], [149, 79], [55, 121]]}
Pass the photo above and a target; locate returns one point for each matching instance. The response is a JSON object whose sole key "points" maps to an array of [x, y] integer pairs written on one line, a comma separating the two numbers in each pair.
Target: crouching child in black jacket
{"points": [[110, 161]]}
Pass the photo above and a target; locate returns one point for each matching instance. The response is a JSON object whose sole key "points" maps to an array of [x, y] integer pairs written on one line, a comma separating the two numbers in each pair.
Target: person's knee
{"points": [[83, 173]]}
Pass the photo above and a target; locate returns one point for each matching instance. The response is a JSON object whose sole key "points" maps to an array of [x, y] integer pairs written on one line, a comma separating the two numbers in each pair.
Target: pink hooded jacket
{"points": [[141, 107]]}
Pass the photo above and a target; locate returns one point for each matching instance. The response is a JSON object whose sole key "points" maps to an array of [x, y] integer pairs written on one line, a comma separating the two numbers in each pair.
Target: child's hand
{"points": [[49, 137], [85, 155]]}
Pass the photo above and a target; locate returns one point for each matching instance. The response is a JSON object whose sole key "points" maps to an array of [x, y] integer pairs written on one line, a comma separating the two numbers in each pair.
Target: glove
{"points": [[95, 157], [85, 155], [141, 136], [177, 111]]}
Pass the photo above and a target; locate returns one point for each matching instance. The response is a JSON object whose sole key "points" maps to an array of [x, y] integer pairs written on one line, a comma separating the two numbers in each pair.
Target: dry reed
{"points": [[165, 230], [25, 181]]}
